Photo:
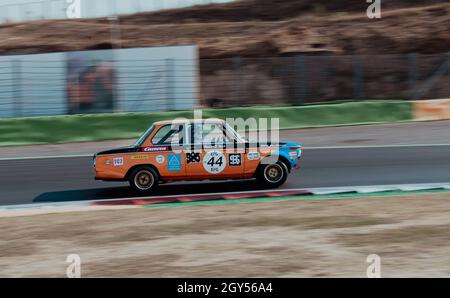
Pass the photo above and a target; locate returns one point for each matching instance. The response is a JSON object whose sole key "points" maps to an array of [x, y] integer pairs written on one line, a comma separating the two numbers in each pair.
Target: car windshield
{"points": [[168, 134], [141, 140]]}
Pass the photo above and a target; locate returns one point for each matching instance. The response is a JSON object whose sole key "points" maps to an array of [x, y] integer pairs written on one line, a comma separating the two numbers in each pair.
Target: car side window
{"points": [[213, 134], [196, 134], [209, 134], [169, 135]]}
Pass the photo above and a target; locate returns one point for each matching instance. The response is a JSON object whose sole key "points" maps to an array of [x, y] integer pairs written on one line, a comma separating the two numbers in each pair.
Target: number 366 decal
{"points": [[214, 162]]}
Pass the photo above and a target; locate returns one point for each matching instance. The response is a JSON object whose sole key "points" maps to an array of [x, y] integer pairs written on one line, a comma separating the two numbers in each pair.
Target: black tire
{"points": [[273, 175], [143, 179]]}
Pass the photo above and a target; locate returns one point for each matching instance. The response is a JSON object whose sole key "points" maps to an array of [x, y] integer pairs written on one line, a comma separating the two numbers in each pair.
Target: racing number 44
{"points": [[215, 161]]}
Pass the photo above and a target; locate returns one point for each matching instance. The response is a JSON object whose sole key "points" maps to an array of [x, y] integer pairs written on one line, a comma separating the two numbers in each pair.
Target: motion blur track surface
{"points": [[71, 179]]}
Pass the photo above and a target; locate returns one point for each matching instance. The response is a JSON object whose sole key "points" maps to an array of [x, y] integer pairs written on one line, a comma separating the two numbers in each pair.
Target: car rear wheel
{"points": [[273, 175], [143, 179]]}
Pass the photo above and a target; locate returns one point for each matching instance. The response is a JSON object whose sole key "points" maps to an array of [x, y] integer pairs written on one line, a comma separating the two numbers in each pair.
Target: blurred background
{"points": [[242, 52], [73, 74], [27, 10]]}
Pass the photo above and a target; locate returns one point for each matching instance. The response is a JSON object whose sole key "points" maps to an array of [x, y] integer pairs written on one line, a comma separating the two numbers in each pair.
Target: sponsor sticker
{"points": [[160, 159], [234, 160], [214, 162], [155, 149], [253, 156], [192, 157], [139, 157], [118, 161], [174, 162]]}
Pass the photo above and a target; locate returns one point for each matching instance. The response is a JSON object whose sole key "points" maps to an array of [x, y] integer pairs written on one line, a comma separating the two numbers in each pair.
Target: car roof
{"points": [[181, 121]]}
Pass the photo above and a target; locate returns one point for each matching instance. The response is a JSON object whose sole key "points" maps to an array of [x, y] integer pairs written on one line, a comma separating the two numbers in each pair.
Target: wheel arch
{"points": [[130, 170], [280, 157]]}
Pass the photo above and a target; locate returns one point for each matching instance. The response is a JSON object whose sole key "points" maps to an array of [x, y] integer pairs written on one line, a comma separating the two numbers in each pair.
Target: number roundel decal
{"points": [[214, 162]]}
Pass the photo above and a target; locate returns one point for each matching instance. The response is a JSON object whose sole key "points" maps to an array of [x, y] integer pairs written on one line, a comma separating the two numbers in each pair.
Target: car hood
{"points": [[119, 150]]}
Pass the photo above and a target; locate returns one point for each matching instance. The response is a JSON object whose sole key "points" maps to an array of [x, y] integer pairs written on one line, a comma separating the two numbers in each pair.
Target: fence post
{"points": [[114, 7], [6, 14], [237, 70], [412, 75], [448, 71], [358, 78], [300, 79], [17, 87], [170, 84], [137, 5]]}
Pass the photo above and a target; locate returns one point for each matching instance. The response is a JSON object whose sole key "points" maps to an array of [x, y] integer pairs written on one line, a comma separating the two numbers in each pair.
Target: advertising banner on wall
{"points": [[148, 79], [91, 82]]}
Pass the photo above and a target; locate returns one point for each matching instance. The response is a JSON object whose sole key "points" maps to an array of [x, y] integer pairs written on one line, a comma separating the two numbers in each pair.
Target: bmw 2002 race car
{"points": [[195, 150]]}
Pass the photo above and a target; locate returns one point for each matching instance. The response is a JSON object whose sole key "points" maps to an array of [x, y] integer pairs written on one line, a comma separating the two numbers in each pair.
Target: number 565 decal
{"points": [[214, 162], [234, 160]]}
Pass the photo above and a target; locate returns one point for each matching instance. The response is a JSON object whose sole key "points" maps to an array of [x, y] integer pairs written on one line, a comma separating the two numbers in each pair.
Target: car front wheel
{"points": [[273, 175], [144, 179]]}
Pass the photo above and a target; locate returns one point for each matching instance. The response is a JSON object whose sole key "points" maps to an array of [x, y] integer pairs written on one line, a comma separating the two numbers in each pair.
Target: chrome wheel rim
{"points": [[144, 180], [273, 173]]}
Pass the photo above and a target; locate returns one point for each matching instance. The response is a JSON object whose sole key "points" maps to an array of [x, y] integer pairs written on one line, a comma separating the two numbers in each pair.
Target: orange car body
{"points": [[233, 158]]}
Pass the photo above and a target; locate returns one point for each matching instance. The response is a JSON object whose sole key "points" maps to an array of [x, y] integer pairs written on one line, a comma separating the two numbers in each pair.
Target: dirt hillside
{"points": [[252, 28]]}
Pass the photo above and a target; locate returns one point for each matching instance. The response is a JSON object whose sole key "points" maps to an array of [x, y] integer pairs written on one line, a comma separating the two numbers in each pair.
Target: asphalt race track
{"points": [[71, 179]]}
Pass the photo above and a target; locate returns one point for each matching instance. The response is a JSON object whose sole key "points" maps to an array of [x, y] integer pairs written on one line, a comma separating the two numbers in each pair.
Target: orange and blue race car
{"points": [[186, 150]]}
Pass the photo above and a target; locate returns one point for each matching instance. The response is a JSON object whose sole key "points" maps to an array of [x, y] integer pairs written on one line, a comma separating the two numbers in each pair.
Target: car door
{"points": [[213, 153], [170, 162]]}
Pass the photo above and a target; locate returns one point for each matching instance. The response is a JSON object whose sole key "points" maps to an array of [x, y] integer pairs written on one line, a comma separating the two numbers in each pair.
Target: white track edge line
{"points": [[304, 148]]}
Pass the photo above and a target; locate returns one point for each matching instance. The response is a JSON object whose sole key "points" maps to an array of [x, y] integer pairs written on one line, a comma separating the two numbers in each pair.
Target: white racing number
{"points": [[118, 161], [214, 162], [234, 160]]}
